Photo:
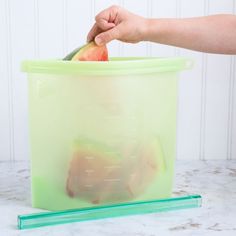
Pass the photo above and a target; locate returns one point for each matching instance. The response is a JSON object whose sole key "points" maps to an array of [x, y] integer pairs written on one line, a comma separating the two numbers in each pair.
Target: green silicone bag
{"points": [[102, 132]]}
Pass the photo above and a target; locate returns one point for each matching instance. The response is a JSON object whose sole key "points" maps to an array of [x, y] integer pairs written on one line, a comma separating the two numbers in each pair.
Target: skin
{"points": [[212, 34]]}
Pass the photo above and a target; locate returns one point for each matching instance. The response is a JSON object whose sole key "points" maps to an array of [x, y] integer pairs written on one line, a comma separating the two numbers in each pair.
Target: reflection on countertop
{"points": [[214, 180]]}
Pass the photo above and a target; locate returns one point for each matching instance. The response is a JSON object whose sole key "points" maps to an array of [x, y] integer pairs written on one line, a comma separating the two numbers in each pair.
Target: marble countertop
{"points": [[214, 180]]}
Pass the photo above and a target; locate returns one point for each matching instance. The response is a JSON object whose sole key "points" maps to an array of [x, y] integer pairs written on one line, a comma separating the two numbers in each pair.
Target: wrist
{"points": [[146, 29], [155, 29]]}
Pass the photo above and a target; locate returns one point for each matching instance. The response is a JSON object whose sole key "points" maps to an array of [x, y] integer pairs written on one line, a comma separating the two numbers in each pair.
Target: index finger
{"points": [[93, 32]]}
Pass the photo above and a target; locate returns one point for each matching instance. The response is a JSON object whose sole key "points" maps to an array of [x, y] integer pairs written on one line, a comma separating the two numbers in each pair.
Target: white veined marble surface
{"points": [[214, 180]]}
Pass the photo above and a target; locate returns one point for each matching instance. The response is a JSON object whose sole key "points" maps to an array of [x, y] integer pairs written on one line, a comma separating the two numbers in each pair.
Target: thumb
{"points": [[107, 36]]}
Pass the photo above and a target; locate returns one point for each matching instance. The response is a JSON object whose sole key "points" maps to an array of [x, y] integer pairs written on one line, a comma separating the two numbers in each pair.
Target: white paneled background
{"points": [[47, 29]]}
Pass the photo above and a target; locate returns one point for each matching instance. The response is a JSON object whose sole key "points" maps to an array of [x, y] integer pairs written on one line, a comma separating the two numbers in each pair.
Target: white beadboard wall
{"points": [[47, 29]]}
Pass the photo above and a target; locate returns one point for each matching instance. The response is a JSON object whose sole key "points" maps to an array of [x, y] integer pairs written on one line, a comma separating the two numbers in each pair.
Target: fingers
{"points": [[98, 28], [93, 32], [105, 21], [108, 14], [106, 37], [104, 24]]}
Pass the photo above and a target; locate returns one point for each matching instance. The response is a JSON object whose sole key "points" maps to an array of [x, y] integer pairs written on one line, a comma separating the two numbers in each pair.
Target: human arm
{"points": [[212, 34]]}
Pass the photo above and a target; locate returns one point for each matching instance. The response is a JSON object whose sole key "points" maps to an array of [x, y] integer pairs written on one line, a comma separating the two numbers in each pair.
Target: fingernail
{"points": [[98, 41]]}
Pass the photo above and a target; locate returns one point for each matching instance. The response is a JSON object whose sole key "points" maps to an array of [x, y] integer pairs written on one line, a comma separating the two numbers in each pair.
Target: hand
{"points": [[117, 23]]}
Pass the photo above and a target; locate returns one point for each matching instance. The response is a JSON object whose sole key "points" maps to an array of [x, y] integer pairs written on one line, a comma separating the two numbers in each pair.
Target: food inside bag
{"points": [[98, 174]]}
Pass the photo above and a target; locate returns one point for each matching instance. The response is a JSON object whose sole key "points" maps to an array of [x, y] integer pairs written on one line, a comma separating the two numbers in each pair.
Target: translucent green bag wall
{"points": [[102, 132]]}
